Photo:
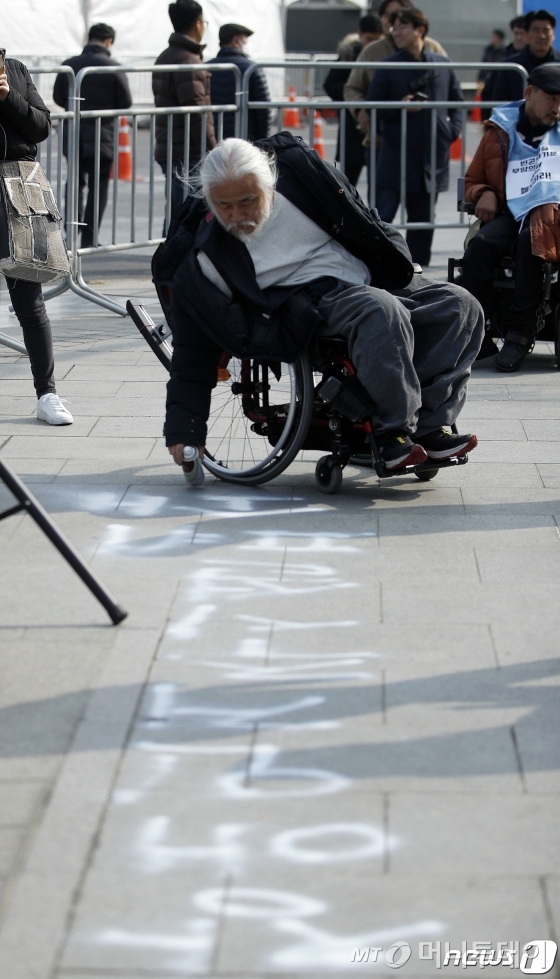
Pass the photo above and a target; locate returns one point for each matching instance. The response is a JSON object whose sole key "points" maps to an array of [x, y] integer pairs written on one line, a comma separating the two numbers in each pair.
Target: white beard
{"points": [[238, 230]]}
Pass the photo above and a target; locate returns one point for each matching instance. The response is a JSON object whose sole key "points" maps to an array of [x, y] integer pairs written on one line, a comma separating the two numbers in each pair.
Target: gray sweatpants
{"points": [[412, 348]]}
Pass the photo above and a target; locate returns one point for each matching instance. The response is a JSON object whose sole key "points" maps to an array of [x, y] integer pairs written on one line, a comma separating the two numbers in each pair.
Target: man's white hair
{"points": [[235, 159]]}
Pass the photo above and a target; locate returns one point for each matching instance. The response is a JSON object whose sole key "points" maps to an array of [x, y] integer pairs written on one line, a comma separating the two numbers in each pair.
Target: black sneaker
{"points": [[398, 450], [513, 353], [442, 444]]}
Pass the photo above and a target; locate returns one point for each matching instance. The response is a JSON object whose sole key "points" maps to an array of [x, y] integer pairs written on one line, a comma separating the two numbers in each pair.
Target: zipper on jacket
{"points": [[5, 143]]}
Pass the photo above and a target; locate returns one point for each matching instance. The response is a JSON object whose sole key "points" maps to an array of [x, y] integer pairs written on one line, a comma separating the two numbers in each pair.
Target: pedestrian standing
{"points": [[98, 91], [233, 39], [24, 122], [539, 50], [182, 88], [412, 86], [369, 29]]}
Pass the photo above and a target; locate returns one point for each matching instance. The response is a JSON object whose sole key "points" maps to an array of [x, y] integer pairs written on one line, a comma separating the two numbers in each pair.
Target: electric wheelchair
{"points": [[548, 312], [264, 412]]}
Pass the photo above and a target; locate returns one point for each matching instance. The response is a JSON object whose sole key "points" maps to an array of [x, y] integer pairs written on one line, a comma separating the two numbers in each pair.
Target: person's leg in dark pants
{"points": [[521, 317], [89, 214], [483, 256], [29, 307], [82, 183], [419, 242], [387, 200]]}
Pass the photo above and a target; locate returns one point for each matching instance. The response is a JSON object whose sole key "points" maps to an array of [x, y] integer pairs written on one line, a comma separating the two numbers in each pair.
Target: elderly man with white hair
{"points": [[279, 246]]}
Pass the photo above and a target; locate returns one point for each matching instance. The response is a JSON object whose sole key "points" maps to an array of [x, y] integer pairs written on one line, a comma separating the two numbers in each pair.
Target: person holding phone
{"points": [[409, 28], [24, 122]]}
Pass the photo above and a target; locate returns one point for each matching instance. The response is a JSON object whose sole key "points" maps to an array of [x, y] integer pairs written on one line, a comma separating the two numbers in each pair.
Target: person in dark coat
{"points": [[108, 91], [517, 43], [409, 28], [233, 38], [182, 88], [24, 122], [370, 29], [540, 26], [493, 52]]}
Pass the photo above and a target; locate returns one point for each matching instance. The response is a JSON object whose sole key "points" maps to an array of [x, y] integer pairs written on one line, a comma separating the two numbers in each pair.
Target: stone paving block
{"points": [[99, 472], [539, 429], [475, 411], [523, 452], [453, 908], [19, 407], [36, 469], [116, 407], [19, 801], [85, 448], [31, 426], [481, 838], [490, 474], [91, 372], [131, 426], [144, 389], [11, 839]]}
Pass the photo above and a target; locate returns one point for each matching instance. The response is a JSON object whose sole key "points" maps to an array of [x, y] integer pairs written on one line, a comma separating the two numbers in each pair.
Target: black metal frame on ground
{"points": [[29, 504], [340, 425]]}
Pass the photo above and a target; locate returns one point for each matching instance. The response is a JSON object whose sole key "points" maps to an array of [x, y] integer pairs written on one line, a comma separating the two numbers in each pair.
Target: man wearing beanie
{"points": [[514, 181], [182, 88], [105, 91], [233, 38]]}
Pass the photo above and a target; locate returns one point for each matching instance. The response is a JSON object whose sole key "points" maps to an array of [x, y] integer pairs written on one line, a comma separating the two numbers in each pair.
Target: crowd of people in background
{"points": [[397, 32]]}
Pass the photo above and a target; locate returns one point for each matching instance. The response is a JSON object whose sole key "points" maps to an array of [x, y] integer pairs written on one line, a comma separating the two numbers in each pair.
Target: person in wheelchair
{"points": [[514, 181], [280, 246]]}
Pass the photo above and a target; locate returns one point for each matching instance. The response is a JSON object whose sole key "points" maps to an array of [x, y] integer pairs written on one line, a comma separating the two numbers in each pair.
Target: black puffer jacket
{"points": [[175, 88], [222, 88], [276, 324], [24, 117], [108, 91]]}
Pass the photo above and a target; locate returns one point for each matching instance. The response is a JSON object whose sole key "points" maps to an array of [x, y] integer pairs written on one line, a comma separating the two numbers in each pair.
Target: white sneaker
{"points": [[192, 466], [51, 410]]}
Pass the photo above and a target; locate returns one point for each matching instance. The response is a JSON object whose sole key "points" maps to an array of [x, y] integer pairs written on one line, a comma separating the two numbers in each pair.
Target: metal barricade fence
{"points": [[373, 107], [132, 239], [126, 228]]}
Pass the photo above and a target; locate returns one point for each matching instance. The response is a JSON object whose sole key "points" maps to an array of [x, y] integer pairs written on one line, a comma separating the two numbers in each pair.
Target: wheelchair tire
{"points": [[426, 474], [557, 336], [258, 420], [328, 477]]}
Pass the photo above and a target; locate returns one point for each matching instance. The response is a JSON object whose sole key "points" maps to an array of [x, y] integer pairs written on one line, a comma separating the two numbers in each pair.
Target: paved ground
{"points": [[328, 724]]}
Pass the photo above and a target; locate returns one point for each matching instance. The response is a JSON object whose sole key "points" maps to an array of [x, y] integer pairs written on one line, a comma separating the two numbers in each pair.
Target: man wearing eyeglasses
{"points": [[539, 50], [182, 88]]}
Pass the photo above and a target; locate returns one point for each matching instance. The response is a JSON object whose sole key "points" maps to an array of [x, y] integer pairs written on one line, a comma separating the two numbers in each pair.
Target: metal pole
{"points": [[29, 504]]}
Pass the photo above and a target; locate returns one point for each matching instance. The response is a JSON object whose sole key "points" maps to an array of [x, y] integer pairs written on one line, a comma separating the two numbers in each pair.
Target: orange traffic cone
{"points": [[291, 116], [318, 140], [476, 114], [456, 150], [124, 169]]}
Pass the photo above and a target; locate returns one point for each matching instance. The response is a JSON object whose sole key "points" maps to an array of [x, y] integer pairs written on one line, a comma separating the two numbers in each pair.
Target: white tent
{"points": [[55, 29]]}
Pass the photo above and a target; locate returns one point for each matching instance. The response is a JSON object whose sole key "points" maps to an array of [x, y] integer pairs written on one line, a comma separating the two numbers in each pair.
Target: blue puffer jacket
{"points": [[441, 85], [223, 92]]}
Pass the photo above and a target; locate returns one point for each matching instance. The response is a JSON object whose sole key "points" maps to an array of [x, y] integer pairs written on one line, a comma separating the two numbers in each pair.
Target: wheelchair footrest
{"points": [[422, 467]]}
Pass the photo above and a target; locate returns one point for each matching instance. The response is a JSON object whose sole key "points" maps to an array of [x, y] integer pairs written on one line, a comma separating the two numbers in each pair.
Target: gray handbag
{"points": [[32, 246]]}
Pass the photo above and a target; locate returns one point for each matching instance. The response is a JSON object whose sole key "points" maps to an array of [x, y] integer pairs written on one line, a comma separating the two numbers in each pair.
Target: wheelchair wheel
{"points": [[258, 420], [426, 474], [557, 336], [328, 477]]}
